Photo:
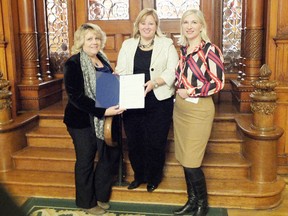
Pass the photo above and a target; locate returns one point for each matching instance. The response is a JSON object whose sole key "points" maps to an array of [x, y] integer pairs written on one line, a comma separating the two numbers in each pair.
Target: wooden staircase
{"points": [[44, 168]]}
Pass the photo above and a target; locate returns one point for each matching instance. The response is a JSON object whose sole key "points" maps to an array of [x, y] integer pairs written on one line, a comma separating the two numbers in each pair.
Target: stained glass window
{"points": [[173, 9], [57, 19], [57, 24], [232, 24], [108, 9]]}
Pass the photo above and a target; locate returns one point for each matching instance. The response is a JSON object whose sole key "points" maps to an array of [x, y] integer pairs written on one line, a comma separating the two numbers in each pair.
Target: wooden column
{"points": [[29, 44], [43, 40], [35, 93], [252, 39], [251, 52]]}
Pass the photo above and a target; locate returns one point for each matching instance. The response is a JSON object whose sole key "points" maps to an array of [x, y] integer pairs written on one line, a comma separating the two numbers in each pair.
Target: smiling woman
{"points": [[200, 74], [150, 53], [92, 46], [85, 122]]}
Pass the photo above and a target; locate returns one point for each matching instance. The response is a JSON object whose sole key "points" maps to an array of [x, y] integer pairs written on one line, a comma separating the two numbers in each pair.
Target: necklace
{"points": [[146, 46]]}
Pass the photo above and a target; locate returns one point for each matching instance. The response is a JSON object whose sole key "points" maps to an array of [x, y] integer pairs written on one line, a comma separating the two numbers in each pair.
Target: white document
{"points": [[132, 91], [192, 100]]}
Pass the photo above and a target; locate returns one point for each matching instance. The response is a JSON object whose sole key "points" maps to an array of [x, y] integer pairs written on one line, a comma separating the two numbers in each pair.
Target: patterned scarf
{"points": [[89, 74]]}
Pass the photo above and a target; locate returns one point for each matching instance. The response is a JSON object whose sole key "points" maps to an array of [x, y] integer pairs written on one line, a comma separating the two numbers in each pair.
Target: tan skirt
{"points": [[192, 125]]}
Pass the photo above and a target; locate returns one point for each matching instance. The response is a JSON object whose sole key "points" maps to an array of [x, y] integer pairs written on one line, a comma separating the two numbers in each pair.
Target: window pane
{"points": [[108, 9], [232, 24], [57, 24], [173, 9]]}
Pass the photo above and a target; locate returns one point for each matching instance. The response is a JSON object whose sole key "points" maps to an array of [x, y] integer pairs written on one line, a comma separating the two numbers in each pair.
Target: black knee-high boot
{"points": [[201, 197], [190, 205]]}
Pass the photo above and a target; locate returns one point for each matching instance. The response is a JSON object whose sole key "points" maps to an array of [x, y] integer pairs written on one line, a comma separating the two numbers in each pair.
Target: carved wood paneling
{"points": [[282, 18], [277, 57], [281, 58]]}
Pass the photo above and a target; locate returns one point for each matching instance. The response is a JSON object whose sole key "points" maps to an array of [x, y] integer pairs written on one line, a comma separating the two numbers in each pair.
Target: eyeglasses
{"points": [[86, 26]]}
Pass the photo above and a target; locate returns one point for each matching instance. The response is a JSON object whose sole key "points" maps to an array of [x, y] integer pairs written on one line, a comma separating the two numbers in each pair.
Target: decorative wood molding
{"points": [[30, 61], [253, 43], [39, 96], [263, 102], [281, 59]]}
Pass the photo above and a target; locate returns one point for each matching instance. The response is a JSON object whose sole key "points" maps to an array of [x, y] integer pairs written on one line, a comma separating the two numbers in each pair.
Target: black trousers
{"points": [[147, 130], [93, 183]]}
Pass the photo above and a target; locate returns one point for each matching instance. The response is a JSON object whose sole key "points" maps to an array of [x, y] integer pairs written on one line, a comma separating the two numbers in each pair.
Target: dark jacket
{"points": [[79, 106]]}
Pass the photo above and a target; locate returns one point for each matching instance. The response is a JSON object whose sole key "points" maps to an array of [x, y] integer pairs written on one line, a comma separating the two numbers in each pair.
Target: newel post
{"points": [[263, 101], [262, 135]]}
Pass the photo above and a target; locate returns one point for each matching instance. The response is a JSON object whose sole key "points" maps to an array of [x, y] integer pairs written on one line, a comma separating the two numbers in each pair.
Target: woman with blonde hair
{"points": [[85, 122], [199, 75], [151, 53]]}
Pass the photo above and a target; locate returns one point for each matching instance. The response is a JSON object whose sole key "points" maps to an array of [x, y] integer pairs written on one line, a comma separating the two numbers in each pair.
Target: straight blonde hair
{"points": [[183, 40]]}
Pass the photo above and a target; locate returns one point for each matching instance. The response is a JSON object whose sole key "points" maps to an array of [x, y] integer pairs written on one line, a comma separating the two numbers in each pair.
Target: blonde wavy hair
{"points": [[79, 36], [142, 16], [183, 40]]}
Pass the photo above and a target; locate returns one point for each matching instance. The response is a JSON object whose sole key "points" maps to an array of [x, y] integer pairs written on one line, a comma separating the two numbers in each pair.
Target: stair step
{"points": [[224, 142], [224, 123], [63, 160], [45, 159], [52, 122], [46, 168], [53, 116], [57, 137], [221, 193], [39, 184]]}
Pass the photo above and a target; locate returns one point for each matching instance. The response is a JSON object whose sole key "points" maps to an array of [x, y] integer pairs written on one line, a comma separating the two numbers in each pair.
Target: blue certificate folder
{"points": [[127, 91], [107, 89]]}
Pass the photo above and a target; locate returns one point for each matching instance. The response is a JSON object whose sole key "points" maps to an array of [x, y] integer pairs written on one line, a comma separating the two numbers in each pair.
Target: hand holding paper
{"points": [[125, 90]]}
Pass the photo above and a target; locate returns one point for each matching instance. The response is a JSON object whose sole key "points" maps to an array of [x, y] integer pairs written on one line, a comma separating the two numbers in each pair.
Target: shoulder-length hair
{"points": [[183, 40], [142, 16], [79, 36]]}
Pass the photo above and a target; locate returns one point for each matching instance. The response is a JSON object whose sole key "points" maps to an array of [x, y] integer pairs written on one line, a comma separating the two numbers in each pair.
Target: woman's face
{"points": [[92, 43], [147, 27], [191, 27]]}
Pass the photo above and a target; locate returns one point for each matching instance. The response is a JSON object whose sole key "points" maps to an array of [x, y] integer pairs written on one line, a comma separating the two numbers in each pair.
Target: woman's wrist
{"points": [[155, 84]]}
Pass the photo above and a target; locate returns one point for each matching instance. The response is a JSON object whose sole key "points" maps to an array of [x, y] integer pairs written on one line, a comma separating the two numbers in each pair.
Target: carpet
{"points": [[64, 207]]}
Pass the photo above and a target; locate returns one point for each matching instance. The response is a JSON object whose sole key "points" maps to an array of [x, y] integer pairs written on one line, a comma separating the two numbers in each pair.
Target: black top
{"points": [[142, 62], [79, 106]]}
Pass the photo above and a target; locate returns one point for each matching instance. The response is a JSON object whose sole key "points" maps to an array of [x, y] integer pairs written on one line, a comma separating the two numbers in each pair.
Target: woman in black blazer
{"points": [[85, 122]]}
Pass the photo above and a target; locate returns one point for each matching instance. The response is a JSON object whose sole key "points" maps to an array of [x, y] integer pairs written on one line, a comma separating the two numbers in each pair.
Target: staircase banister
{"points": [[244, 124], [261, 135]]}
